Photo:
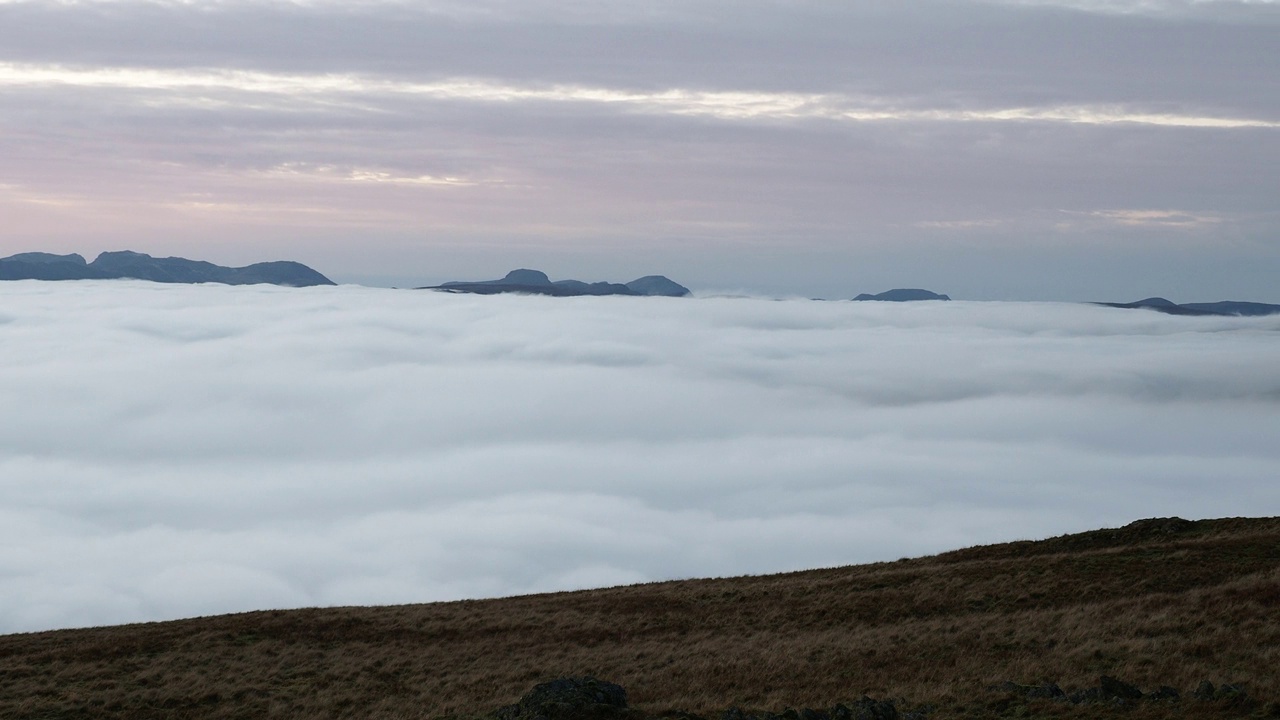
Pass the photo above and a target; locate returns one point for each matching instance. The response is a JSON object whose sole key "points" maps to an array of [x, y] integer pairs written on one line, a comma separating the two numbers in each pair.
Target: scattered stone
{"points": [[1231, 693], [1048, 691], [1119, 689], [1164, 692], [1109, 690], [868, 709], [1204, 691]]}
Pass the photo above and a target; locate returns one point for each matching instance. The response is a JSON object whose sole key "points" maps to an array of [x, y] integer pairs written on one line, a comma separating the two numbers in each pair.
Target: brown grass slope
{"points": [[1157, 602]]}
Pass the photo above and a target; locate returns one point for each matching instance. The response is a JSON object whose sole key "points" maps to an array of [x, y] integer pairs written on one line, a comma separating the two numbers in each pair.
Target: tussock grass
{"points": [[1158, 602]]}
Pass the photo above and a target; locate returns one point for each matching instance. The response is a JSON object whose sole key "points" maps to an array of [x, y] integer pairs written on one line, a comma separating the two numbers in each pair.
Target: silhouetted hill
{"points": [[140, 266], [903, 295], [536, 282], [657, 285], [1226, 307], [1234, 307], [1074, 626], [47, 266]]}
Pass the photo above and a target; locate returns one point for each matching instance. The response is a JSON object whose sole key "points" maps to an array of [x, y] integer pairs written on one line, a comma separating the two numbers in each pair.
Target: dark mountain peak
{"points": [[278, 272], [525, 276], [903, 295], [1154, 302], [659, 285]]}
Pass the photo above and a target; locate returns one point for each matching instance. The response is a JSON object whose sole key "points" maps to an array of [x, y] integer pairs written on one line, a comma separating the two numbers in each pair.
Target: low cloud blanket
{"points": [[170, 451]]}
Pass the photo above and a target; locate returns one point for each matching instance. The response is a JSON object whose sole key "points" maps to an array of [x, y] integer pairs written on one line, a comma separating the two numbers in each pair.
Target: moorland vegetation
{"points": [[970, 633]]}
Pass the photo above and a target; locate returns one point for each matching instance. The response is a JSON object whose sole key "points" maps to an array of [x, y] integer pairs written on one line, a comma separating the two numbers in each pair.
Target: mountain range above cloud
{"points": [[170, 450], [903, 295], [126, 264], [536, 282], [1223, 307]]}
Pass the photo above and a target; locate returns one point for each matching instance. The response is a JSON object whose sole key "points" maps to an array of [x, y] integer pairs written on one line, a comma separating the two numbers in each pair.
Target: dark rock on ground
{"points": [[574, 698], [1049, 691], [1115, 692], [1108, 690], [903, 295], [865, 708], [1115, 688], [140, 266], [1231, 692], [870, 709], [1226, 692]]}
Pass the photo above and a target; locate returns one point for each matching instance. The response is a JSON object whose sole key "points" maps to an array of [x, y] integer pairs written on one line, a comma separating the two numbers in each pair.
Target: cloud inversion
{"points": [[171, 451]]}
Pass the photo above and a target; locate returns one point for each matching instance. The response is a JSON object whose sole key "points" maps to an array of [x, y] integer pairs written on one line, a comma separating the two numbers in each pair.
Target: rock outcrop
{"points": [[586, 698], [573, 698]]}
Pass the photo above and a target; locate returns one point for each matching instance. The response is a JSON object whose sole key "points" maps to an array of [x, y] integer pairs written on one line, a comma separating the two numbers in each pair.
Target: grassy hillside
{"points": [[1158, 602]]}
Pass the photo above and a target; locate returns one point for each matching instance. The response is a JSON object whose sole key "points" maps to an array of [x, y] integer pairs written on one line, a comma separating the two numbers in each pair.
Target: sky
{"points": [[169, 451], [988, 149]]}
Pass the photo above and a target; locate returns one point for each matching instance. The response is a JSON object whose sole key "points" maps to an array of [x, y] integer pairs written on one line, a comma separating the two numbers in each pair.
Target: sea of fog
{"points": [[170, 451]]}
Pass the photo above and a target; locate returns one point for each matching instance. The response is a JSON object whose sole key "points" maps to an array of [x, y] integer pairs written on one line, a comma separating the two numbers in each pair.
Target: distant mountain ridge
{"points": [[125, 264], [536, 282], [1230, 308], [903, 295]]}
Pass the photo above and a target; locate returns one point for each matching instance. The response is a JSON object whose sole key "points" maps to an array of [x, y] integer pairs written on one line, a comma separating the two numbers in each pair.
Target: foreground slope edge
{"points": [[1162, 602]]}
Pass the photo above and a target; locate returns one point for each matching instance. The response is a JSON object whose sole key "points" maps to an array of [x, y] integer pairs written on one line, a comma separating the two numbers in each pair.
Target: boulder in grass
{"points": [[573, 698]]}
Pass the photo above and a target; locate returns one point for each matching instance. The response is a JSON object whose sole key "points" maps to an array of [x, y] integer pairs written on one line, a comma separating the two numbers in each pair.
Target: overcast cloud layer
{"points": [[1037, 149], [174, 451]]}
